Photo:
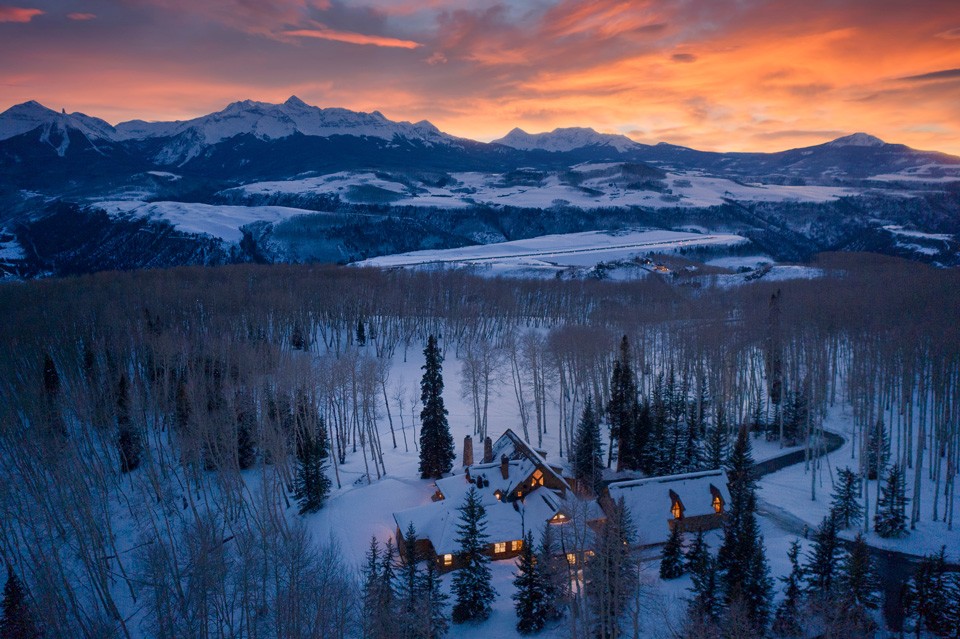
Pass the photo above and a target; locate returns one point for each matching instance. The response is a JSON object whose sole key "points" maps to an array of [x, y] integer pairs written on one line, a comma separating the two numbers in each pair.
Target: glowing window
{"points": [[537, 479], [717, 504], [677, 510], [559, 517], [500, 546], [516, 544], [571, 559], [448, 560], [498, 494]]}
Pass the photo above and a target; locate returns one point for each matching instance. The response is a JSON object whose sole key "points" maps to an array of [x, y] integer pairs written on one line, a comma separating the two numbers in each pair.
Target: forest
{"points": [[166, 435]]}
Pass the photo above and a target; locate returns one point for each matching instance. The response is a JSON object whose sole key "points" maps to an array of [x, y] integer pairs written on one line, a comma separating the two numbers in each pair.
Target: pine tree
{"points": [[433, 620], [407, 588], [52, 419], [878, 450], [361, 333], [697, 557], [312, 485], [859, 586], [786, 622], [610, 574], [246, 419], [717, 445], [823, 564], [529, 598], [671, 565], [553, 567], [891, 517], [845, 507], [16, 618], [129, 443], [436, 442], [471, 583], [925, 600], [370, 592], [387, 625], [704, 602], [744, 575], [622, 411], [951, 611], [587, 454]]}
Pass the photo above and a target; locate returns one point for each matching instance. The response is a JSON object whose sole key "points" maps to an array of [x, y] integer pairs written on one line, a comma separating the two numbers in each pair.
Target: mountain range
{"points": [[345, 163]]}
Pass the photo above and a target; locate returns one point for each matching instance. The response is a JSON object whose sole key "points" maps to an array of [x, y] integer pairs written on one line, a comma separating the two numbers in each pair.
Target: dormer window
{"points": [[717, 500], [676, 509]]}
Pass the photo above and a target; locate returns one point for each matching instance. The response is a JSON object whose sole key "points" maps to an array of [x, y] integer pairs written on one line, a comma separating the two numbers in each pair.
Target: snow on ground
{"points": [[547, 190], [571, 249], [173, 177], [933, 172], [899, 230], [11, 250], [223, 222], [790, 489], [738, 261]]}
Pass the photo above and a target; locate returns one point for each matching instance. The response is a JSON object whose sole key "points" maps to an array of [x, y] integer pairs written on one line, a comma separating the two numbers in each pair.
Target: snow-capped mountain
{"points": [[566, 139], [54, 128], [267, 121], [857, 139]]}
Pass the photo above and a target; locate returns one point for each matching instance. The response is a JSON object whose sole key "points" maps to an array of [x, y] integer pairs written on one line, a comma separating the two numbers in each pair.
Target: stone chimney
{"points": [[504, 466], [487, 450], [467, 451]]}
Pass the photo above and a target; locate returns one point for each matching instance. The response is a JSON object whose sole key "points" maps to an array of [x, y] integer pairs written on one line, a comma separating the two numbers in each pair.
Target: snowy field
{"points": [[600, 186], [223, 222], [571, 249]]}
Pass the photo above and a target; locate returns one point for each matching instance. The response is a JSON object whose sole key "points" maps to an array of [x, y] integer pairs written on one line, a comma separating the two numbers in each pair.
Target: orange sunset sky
{"points": [[711, 74]]}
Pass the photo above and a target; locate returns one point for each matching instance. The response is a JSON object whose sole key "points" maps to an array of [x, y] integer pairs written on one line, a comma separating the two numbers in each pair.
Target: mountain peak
{"points": [[294, 101], [857, 139], [565, 139]]}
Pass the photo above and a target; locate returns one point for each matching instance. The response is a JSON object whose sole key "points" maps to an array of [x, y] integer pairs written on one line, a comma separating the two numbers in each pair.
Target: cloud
{"points": [[945, 74], [81, 17], [18, 14], [829, 134], [683, 57], [949, 34], [352, 38]]}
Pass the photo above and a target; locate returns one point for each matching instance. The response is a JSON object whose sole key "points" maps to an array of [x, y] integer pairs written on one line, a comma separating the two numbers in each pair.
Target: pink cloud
{"points": [[81, 16], [352, 38], [18, 14]]}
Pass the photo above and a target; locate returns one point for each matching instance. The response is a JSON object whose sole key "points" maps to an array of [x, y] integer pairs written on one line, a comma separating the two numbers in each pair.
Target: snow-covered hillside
{"points": [[565, 139]]}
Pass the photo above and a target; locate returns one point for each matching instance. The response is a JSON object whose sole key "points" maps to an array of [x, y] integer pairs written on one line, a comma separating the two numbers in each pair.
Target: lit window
{"points": [[559, 517], [717, 504], [677, 510], [571, 559], [500, 546], [498, 494], [448, 560], [516, 544], [537, 479]]}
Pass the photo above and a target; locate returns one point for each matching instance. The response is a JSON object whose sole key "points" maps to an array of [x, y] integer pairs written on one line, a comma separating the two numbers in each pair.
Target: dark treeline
{"points": [[130, 402]]}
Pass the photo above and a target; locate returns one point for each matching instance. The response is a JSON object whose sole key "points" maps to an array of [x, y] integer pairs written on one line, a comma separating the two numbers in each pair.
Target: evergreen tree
{"points": [[859, 586], [471, 583], [786, 622], [744, 575], [52, 419], [387, 625], [878, 450], [433, 620], [610, 575], [587, 454], [312, 485], [408, 585], [891, 517], [129, 443], [436, 442], [845, 507], [671, 565], [361, 333], [925, 598], [697, 557], [370, 592], [530, 596], [246, 419], [704, 602], [823, 564], [16, 618], [951, 611], [717, 445], [622, 411], [553, 568]]}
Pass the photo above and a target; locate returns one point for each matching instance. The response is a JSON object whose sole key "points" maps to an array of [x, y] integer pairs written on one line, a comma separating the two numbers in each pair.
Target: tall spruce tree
{"points": [[371, 621], [433, 622], [704, 589], [786, 621], [387, 626], [407, 587], [246, 419], [845, 507], [530, 596], [436, 442], [472, 587], [744, 575], [717, 445], [823, 563], [587, 457], [672, 564], [312, 485], [891, 517], [697, 557], [129, 443], [610, 575], [622, 411], [553, 568], [925, 600], [859, 586], [951, 611], [16, 619]]}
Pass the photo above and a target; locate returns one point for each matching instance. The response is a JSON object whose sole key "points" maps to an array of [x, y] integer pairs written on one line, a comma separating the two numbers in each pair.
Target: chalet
{"points": [[693, 501], [518, 488]]}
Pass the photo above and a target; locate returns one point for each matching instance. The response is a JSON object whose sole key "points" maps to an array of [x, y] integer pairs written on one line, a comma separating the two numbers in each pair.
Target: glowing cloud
{"points": [[18, 14], [351, 38]]}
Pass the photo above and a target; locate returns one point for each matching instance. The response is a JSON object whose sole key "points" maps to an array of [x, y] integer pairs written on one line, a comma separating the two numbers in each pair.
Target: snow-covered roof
{"points": [[514, 448], [649, 500]]}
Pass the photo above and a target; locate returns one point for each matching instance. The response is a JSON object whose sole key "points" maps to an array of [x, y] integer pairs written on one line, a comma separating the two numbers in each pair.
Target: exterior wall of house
{"points": [[698, 523]]}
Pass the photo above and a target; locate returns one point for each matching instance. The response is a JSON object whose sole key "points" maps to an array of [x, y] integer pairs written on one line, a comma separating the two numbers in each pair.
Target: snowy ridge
{"points": [[857, 139], [54, 127], [568, 139]]}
